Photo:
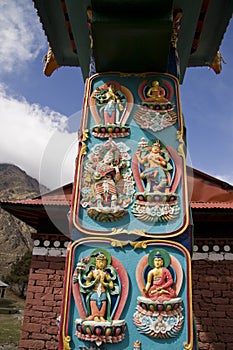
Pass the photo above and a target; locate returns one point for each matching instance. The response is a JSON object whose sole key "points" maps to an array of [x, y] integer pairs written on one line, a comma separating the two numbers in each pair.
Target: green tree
{"points": [[18, 277]]}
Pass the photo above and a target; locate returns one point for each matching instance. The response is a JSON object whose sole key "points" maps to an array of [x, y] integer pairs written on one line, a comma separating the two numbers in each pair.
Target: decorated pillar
{"points": [[128, 265], [128, 281]]}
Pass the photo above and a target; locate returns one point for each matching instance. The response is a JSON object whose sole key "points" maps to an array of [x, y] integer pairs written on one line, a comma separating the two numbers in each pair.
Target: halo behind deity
{"points": [[98, 250], [163, 253]]}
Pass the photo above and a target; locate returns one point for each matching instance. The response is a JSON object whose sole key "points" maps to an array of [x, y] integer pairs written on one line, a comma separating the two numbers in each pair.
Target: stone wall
{"points": [[43, 303], [213, 304], [212, 270], [212, 296]]}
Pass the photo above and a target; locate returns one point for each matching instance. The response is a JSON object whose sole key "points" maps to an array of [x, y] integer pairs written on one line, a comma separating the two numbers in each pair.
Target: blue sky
{"points": [[40, 115]]}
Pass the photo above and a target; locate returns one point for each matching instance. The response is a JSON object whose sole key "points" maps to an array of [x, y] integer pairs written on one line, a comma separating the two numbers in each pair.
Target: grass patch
{"points": [[10, 329], [11, 323]]}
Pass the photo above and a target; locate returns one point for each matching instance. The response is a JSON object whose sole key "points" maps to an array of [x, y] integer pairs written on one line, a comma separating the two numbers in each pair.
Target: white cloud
{"points": [[37, 140], [20, 34], [57, 164]]}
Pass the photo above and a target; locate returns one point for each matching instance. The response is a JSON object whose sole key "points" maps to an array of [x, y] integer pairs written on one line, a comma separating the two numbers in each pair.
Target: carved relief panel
{"points": [[126, 295], [131, 173]]}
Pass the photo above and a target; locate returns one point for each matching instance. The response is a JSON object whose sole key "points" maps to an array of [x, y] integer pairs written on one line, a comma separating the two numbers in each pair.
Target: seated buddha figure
{"points": [[156, 93], [159, 281]]}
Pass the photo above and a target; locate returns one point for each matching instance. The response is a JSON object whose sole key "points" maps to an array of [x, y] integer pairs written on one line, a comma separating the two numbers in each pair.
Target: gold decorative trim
{"points": [[188, 346], [85, 137], [119, 244], [181, 150], [181, 145], [125, 74], [141, 244], [83, 151], [180, 136], [118, 231], [66, 340]]}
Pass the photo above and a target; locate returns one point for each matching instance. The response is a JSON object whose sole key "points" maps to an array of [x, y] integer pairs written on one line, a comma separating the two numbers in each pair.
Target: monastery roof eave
{"points": [[211, 199], [203, 25]]}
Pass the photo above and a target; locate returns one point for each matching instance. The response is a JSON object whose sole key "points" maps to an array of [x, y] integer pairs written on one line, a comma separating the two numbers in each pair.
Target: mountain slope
{"points": [[15, 236]]}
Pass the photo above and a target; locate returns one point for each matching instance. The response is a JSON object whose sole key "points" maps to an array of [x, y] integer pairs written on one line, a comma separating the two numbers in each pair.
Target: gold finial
{"points": [[217, 63], [50, 63], [137, 345], [66, 341]]}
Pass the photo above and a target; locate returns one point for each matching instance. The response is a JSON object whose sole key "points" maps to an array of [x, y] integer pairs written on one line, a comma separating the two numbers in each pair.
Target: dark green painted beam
{"points": [[133, 35]]}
